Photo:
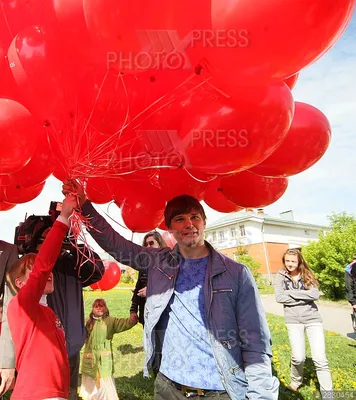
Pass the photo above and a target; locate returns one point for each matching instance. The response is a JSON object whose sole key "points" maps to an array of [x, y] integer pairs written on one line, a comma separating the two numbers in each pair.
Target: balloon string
{"points": [[112, 219], [190, 78], [76, 232], [207, 65], [95, 162], [199, 180], [96, 100]]}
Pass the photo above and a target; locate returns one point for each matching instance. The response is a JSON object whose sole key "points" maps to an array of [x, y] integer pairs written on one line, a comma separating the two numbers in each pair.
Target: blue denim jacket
{"points": [[237, 325]]}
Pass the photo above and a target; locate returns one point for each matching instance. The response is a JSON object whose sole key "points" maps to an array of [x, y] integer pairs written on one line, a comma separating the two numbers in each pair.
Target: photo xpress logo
{"points": [[161, 49]]}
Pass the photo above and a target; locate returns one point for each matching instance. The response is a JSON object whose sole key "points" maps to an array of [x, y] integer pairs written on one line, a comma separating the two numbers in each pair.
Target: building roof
{"points": [[242, 216]]}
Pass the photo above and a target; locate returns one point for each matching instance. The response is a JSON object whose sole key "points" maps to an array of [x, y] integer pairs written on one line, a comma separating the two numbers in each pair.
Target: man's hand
{"points": [[73, 187], [7, 380], [133, 318], [142, 292]]}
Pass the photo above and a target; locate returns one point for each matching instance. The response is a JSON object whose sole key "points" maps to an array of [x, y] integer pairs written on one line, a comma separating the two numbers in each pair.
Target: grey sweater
{"points": [[298, 302]]}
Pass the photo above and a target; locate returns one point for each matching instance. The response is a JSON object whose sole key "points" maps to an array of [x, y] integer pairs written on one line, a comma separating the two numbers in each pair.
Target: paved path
{"points": [[336, 317]]}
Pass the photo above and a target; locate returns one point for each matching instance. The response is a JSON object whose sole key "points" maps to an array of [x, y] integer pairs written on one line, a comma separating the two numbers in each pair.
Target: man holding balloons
{"points": [[204, 321]]}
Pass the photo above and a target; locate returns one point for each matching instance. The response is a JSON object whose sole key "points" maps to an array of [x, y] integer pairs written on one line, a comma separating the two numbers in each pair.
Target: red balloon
{"points": [[292, 81], [162, 226], [249, 190], [72, 31], [2, 67], [146, 35], [18, 136], [8, 88], [6, 206], [109, 99], [21, 14], [39, 167], [176, 182], [112, 100], [231, 135], [255, 43], [5, 33], [215, 199], [181, 99], [5, 180], [169, 239], [34, 65], [111, 277], [60, 173], [308, 139], [142, 210], [102, 190], [21, 194]]}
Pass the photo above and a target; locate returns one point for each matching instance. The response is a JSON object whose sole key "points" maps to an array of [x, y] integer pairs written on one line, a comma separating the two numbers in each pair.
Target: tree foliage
{"points": [[252, 264], [329, 256]]}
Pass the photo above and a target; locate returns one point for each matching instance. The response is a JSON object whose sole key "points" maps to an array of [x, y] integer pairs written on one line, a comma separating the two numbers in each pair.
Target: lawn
{"points": [[129, 355]]}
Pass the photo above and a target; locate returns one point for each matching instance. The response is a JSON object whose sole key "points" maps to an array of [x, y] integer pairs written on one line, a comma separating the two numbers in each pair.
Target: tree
{"points": [[253, 265], [329, 256]]}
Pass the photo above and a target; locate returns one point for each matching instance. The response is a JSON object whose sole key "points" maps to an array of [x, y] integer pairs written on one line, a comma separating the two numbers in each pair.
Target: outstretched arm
{"points": [[121, 249], [30, 294], [117, 325]]}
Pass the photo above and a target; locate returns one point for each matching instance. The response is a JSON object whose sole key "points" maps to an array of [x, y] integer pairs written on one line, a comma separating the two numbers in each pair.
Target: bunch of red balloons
{"points": [[147, 101]]}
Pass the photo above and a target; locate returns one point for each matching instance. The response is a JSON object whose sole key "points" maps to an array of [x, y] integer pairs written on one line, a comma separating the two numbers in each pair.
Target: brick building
{"points": [[263, 237]]}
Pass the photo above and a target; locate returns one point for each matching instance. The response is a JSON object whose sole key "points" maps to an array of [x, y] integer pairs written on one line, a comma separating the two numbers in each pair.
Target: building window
{"points": [[214, 236], [233, 233], [242, 230], [221, 235], [307, 232]]}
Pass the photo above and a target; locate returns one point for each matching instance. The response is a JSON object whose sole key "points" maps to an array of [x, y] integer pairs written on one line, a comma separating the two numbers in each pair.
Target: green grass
{"points": [[266, 289], [341, 354], [129, 355], [341, 302]]}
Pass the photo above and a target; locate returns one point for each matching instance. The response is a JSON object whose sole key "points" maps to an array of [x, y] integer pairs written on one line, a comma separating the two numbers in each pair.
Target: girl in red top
{"points": [[38, 335]]}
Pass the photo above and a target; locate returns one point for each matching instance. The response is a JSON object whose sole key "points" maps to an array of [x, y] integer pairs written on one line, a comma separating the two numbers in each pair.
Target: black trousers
{"points": [[74, 376], [165, 390]]}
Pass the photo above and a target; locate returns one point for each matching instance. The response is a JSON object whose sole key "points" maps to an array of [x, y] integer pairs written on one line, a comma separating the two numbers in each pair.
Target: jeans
{"points": [[316, 339], [165, 390]]}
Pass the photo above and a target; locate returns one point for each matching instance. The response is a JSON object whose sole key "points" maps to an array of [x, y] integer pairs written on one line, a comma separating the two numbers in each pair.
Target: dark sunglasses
{"points": [[150, 243]]}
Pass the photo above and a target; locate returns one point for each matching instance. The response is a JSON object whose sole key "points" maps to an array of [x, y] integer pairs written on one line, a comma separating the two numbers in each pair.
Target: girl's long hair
{"points": [[305, 272], [157, 236], [90, 323]]}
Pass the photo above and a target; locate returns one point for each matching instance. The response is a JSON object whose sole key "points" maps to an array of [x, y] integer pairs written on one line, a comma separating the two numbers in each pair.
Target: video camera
{"points": [[28, 234]]}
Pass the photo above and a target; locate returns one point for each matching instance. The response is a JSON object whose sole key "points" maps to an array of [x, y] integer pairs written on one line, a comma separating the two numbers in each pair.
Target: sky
{"points": [[329, 186]]}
